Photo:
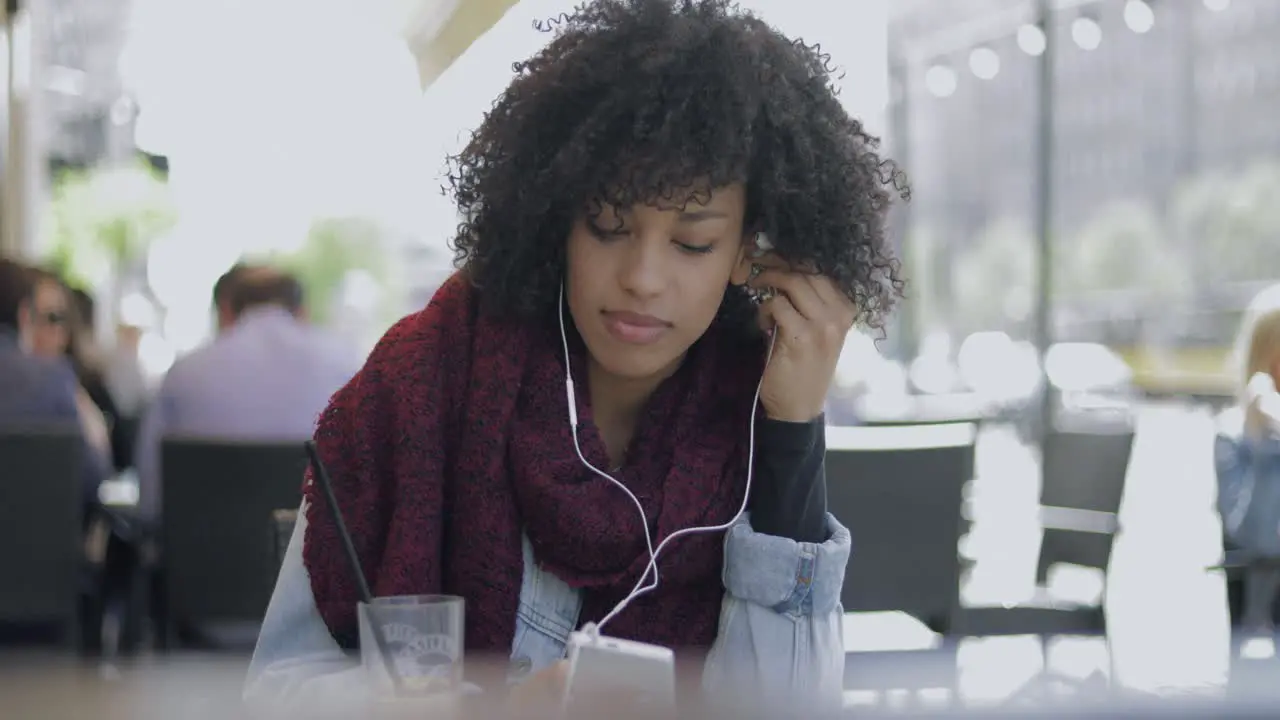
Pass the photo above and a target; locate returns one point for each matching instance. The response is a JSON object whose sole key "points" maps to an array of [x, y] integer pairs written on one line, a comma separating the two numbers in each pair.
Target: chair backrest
{"points": [[899, 490], [1083, 485], [282, 524], [1085, 470], [218, 499], [41, 524]]}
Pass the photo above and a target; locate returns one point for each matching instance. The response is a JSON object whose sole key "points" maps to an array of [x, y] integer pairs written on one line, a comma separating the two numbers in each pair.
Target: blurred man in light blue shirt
{"points": [[265, 377]]}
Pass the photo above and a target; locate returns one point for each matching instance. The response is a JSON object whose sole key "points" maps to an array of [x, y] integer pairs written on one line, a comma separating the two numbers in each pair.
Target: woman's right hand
{"points": [[542, 690]]}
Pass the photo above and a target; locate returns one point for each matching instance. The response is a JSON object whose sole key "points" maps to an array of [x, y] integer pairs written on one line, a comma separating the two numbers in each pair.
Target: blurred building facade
{"points": [[1134, 116], [65, 106], [1149, 98], [90, 115]]}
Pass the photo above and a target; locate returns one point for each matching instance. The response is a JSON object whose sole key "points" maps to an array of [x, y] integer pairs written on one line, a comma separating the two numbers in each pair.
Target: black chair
{"points": [[1084, 474], [42, 559], [217, 499], [1084, 480], [899, 489]]}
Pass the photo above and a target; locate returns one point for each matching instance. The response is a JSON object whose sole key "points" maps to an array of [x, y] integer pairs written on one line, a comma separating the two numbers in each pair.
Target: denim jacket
{"points": [[1248, 470], [780, 636]]}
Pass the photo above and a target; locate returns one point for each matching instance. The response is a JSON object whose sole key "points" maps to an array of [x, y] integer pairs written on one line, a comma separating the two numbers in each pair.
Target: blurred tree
{"points": [[1232, 224], [99, 222], [337, 249], [1124, 248], [994, 278]]}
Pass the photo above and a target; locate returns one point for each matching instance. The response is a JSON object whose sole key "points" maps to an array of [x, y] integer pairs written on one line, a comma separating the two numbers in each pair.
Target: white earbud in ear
{"points": [[762, 245]]}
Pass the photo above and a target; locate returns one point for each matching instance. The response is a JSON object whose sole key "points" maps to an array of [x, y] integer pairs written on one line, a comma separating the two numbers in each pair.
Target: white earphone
{"points": [[762, 245]]}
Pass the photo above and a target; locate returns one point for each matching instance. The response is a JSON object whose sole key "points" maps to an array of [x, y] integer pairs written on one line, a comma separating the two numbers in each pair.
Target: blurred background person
{"points": [[50, 329], [87, 359], [54, 322], [36, 386], [39, 390], [1247, 457], [63, 327], [224, 313], [265, 377]]}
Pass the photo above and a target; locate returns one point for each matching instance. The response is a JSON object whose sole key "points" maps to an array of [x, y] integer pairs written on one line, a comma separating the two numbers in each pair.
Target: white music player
{"points": [[604, 667]]}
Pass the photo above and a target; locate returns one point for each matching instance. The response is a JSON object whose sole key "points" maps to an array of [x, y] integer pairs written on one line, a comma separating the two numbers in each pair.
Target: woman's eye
{"points": [[695, 249], [607, 231]]}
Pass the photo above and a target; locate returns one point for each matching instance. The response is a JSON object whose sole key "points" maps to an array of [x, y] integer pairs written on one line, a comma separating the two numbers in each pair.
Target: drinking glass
{"points": [[412, 645]]}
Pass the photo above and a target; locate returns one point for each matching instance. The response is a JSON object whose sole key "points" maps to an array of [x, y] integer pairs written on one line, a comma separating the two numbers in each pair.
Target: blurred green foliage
{"points": [[1124, 247], [334, 248], [1231, 224], [1217, 228], [102, 220]]}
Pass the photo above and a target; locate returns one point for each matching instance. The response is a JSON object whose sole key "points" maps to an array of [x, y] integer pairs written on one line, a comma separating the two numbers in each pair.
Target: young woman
{"points": [[52, 323], [621, 200], [1247, 456]]}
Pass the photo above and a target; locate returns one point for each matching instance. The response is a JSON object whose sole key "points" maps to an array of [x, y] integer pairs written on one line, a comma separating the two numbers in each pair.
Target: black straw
{"points": [[321, 475]]}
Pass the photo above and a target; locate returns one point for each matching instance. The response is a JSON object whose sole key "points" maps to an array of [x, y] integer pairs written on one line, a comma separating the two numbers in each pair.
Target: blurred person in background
{"points": [[59, 331], [39, 390], [64, 327], [224, 313], [38, 387], [265, 377], [51, 305], [1247, 459], [83, 350], [86, 358]]}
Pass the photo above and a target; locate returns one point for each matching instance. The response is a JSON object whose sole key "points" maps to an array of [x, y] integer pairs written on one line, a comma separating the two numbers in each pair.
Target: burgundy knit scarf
{"points": [[454, 439]]}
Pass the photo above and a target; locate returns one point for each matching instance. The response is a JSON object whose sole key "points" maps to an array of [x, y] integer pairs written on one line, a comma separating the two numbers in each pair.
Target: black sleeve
{"points": [[96, 388], [789, 489]]}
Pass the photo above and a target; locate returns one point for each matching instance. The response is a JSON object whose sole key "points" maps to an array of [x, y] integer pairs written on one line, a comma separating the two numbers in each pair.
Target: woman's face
{"points": [[646, 282], [46, 332]]}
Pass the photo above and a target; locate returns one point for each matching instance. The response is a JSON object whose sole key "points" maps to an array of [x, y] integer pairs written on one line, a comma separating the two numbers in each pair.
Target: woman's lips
{"points": [[635, 328]]}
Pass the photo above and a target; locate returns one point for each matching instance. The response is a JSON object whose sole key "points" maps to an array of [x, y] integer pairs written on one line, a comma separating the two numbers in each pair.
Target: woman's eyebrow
{"points": [[693, 216]]}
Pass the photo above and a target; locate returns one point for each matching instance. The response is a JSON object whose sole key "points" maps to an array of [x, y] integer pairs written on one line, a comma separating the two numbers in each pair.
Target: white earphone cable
{"points": [[641, 587]]}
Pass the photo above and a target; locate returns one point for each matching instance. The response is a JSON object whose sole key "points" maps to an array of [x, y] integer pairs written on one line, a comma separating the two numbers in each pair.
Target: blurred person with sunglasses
{"points": [[48, 314], [39, 390], [54, 331], [38, 387]]}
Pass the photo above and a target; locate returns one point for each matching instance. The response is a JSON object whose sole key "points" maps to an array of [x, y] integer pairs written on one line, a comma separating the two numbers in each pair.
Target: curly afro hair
{"points": [[641, 101]]}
